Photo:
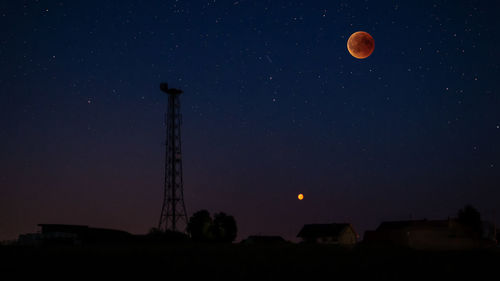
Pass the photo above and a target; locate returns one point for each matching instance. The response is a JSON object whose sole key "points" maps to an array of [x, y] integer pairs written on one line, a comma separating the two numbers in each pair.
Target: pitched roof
{"points": [[319, 230]]}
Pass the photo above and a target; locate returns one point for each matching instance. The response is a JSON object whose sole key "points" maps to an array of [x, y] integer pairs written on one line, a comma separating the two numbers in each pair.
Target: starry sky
{"points": [[273, 106]]}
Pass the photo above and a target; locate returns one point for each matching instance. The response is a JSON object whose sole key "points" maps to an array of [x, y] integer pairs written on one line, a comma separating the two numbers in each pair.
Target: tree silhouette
{"points": [[470, 217], [200, 226], [224, 228]]}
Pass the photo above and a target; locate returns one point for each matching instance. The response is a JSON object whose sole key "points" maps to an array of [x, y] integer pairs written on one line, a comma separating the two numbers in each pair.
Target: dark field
{"points": [[245, 262]]}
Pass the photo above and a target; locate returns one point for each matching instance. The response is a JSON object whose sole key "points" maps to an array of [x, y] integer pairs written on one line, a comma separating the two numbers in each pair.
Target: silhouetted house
{"points": [[333, 233], [258, 239], [427, 235], [30, 239], [75, 234]]}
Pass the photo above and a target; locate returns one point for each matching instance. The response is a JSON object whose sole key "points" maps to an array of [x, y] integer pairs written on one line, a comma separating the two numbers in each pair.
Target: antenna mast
{"points": [[173, 211]]}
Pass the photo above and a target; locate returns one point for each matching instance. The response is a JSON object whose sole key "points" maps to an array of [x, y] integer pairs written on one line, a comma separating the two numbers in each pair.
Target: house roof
{"points": [[319, 230]]}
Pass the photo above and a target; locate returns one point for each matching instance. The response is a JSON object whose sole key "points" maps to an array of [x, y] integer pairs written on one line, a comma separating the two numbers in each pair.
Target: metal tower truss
{"points": [[173, 212]]}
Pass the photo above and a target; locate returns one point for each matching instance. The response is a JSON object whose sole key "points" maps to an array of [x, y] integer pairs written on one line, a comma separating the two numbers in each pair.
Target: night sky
{"points": [[273, 106]]}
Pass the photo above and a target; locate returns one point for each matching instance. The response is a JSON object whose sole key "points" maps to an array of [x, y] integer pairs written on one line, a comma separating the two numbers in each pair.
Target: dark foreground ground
{"points": [[244, 262]]}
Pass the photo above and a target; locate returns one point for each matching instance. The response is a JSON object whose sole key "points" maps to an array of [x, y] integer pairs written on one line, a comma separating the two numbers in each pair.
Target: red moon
{"points": [[361, 45]]}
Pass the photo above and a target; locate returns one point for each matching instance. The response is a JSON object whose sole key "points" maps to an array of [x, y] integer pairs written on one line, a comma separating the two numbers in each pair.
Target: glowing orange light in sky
{"points": [[301, 196]]}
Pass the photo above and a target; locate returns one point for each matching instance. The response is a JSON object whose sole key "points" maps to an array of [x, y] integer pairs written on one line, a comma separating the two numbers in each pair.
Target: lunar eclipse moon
{"points": [[360, 45]]}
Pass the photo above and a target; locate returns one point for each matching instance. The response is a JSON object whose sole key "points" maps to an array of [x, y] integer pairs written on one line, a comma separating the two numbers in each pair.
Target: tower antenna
{"points": [[173, 211]]}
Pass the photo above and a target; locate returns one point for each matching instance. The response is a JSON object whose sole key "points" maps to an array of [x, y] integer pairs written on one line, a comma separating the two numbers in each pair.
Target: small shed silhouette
{"points": [[333, 233], [259, 239]]}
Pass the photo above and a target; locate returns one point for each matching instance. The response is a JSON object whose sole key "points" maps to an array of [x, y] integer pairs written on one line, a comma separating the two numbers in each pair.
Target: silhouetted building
{"points": [[429, 235], [333, 233], [259, 239], [74, 235], [30, 239]]}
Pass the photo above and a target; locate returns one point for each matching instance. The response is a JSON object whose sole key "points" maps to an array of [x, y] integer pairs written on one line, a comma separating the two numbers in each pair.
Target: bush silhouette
{"points": [[159, 235]]}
